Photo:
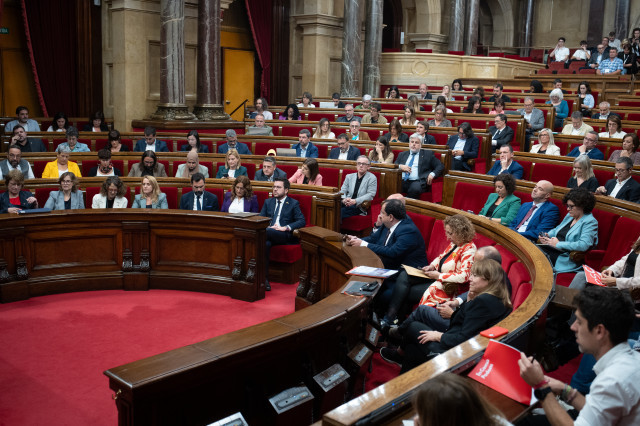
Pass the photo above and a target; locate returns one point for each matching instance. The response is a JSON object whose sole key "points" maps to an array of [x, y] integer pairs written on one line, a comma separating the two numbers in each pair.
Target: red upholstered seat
{"points": [[545, 71], [469, 196], [526, 165], [317, 116], [172, 195], [322, 151], [424, 224], [564, 279], [289, 169], [482, 241], [521, 295], [625, 232], [294, 130], [575, 65], [603, 176], [437, 242], [38, 167], [90, 192], [585, 71], [293, 252], [554, 173], [508, 258], [565, 71], [42, 195], [262, 196], [373, 133], [330, 176], [518, 275]]}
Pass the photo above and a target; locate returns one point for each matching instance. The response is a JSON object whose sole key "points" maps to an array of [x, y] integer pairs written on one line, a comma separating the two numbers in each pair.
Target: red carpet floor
{"points": [[54, 348]]}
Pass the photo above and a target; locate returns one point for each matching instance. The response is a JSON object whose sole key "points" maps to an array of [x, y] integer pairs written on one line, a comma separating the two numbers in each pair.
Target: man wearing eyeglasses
{"points": [[357, 188], [419, 167], [344, 151], [623, 187], [588, 147]]}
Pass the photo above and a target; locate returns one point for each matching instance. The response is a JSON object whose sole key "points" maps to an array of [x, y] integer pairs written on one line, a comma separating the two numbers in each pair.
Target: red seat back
{"points": [[38, 167], [306, 204], [606, 224], [625, 232], [554, 173], [469, 196], [172, 196], [330, 176], [263, 147], [438, 241], [90, 192], [42, 195], [424, 224]]}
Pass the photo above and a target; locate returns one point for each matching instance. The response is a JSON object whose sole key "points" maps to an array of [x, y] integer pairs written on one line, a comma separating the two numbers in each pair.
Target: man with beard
{"points": [[148, 166], [104, 167], [26, 144], [14, 161], [199, 199]]}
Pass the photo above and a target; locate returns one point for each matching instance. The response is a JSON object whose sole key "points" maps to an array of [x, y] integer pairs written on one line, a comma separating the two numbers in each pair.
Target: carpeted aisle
{"points": [[55, 348]]}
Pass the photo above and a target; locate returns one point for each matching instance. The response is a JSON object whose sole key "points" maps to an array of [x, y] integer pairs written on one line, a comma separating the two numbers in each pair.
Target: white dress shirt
{"points": [[618, 186]]}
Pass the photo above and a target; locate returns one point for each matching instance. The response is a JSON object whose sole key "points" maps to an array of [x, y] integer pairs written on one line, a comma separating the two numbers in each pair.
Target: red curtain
{"points": [[51, 33], [261, 21]]}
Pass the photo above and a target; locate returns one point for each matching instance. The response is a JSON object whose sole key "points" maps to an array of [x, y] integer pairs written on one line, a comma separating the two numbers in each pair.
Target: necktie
{"points": [[407, 174], [198, 204], [527, 216], [275, 214]]}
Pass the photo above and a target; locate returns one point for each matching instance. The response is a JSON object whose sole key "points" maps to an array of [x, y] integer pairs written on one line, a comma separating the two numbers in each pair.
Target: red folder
{"points": [[593, 276]]}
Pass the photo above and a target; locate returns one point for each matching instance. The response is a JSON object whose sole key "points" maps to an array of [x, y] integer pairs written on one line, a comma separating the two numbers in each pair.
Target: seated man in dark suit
{"points": [[348, 115], [501, 134], [422, 128], [270, 171], [232, 143], [305, 148], [150, 143], [198, 198], [286, 217], [623, 187], [420, 167], [26, 144], [497, 94], [463, 147], [588, 147], [538, 216], [505, 164], [344, 151], [605, 111]]}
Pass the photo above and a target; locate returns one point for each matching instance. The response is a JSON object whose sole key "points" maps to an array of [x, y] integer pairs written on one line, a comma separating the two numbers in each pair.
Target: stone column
{"points": [[471, 42], [372, 48], [622, 19], [456, 27], [528, 28], [208, 105], [172, 104], [351, 69]]}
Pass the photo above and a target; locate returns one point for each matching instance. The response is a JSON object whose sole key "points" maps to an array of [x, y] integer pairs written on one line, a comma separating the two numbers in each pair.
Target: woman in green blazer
{"points": [[502, 206]]}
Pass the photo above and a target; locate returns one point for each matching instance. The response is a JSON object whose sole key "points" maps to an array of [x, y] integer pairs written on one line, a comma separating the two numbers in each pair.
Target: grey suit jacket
{"points": [[56, 200], [139, 203], [367, 190], [537, 118]]}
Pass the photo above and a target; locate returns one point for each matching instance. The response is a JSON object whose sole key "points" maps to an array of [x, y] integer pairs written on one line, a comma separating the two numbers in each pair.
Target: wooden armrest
{"points": [[564, 297], [365, 205], [577, 256]]}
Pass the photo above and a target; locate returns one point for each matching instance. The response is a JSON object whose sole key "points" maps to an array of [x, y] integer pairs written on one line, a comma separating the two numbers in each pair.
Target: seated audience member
{"points": [[414, 103], [603, 321], [534, 120], [456, 85], [232, 143], [596, 58], [308, 173], [269, 171], [578, 231], [419, 167], [604, 111], [614, 128], [354, 132], [198, 198], [408, 117], [623, 186], [501, 134], [498, 94], [395, 132], [323, 131], [241, 198], [357, 188], [577, 126], [112, 195], [348, 115], [55, 168], [498, 107], [260, 107], [463, 147], [150, 196], [15, 198], [25, 143], [60, 123], [474, 106], [422, 129], [307, 100], [423, 93], [629, 59], [193, 143], [585, 98], [232, 167], [337, 103], [582, 54], [150, 143], [148, 165], [286, 216], [259, 128], [14, 161], [502, 206], [115, 145], [490, 304], [545, 144], [96, 123], [305, 148], [381, 153], [583, 176], [291, 112], [23, 120], [104, 167], [440, 118], [630, 144], [374, 117], [611, 65], [393, 93], [557, 84], [442, 101], [446, 93], [344, 151], [535, 87], [560, 53], [588, 147], [451, 399], [613, 41], [560, 105], [479, 93], [193, 166], [72, 141], [506, 164], [537, 216], [68, 197]]}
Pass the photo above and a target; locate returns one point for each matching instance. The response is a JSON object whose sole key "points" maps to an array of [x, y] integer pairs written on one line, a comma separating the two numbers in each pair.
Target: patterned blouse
{"points": [[456, 268]]}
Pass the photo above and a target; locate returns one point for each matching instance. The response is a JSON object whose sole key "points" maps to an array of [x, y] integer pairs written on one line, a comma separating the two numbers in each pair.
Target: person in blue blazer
{"points": [[344, 148], [150, 196], [241, 198], [188, 201], [68, 197], [150, 140], [506, 164], [464, 146], [311, 151], [502, 206], [578, 231], [542, 219], [588, 147], [232, 143]]}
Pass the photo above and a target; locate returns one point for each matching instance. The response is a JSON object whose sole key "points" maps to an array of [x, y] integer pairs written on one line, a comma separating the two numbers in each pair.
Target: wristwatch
{"points": [[542, 393]]}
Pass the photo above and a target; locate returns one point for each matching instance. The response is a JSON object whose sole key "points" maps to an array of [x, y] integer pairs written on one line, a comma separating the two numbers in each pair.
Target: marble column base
{"points": [[436, 42], [209, 112], [172, 112]]}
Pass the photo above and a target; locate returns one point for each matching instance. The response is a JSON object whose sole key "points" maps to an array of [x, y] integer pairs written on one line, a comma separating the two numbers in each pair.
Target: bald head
{"points": [[488, 252], [397, 197], [542, 191]]}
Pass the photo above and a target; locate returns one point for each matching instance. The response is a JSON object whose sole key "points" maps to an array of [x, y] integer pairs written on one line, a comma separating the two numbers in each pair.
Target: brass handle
{"points": [[116, 395]]}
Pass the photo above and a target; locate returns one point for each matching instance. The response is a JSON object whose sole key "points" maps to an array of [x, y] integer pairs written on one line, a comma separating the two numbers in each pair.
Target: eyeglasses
{"points": [[66, 181], [570, 206], [362, 164], [618, 171]]}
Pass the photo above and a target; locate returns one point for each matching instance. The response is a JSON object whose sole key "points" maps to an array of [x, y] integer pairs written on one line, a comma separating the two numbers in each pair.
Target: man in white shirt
{"points": [[14, 161], [577, 126], [583, 53], [624, 187], [561, 52]]}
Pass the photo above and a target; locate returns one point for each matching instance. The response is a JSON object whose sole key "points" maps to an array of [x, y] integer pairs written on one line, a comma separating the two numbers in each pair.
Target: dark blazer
{"points": [[514, 169], [241, 171], [503, 97], [590, 184], [161, 146], [427, 163], [402, 137], [5, 204], [94, 171], [209, 201], [277, 173], [33, 145], [543, 220], [203, 148], [429, 140], [594, 154], [505, 136], [312, 150], [352, 154], [89, 127], [240, 147], [629, 192], [249, 205], [290, 216], [471, 147], [596, 116], [344, 119], [405, 246]]}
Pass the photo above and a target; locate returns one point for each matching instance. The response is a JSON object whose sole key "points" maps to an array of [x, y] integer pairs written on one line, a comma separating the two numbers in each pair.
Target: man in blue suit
{"points": [[286, 217], [150, 143], [199, 199], [304, 148], [344, 151], [232, 143], [538, 216], [463, 147], [588, 147], [506, 164]]}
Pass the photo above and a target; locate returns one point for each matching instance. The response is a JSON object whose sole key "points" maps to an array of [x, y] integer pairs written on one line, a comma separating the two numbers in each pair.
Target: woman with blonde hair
{"points": [[150, 196], [545, 144], [323, 131], [583, 176], [414, 103], [232, 167]]}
